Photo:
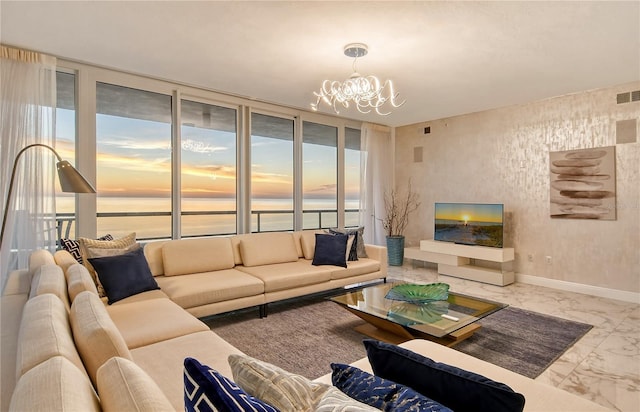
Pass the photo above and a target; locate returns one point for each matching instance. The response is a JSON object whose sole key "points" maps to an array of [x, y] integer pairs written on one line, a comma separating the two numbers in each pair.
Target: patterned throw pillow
{"points": [[285, 390], [381, 393], [91, 248], [206, 390], [73, 246], [358, 244]]}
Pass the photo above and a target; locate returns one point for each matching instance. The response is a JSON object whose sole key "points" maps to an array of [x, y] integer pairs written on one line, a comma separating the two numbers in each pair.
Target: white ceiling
{"points": [[446, 58]]}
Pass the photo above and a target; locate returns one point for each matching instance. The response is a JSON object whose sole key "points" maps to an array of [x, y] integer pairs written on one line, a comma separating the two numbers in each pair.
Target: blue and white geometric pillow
{"points": [[73, 247], [205, 390]]}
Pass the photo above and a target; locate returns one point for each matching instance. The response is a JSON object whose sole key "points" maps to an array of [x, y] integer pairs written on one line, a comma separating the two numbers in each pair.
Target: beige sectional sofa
{"points": [[64, 349]]}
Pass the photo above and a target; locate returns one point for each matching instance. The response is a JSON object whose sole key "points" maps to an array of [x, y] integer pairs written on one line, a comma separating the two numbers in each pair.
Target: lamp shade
{"points": [[71, 180]]}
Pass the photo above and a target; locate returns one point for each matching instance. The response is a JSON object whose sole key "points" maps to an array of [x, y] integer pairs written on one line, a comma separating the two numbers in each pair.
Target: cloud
{"points": [[200, 147]]}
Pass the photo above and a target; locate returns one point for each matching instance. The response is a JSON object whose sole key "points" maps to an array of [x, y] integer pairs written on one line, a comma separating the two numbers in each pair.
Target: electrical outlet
{"points": [[530, 257], [548, 259]]}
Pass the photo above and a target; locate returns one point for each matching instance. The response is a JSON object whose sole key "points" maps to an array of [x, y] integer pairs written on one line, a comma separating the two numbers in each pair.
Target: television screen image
{"points": [[469, 223]]}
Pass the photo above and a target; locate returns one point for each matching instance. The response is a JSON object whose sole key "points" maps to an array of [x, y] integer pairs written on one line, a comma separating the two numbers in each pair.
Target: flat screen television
{"points": [[476, 224]]}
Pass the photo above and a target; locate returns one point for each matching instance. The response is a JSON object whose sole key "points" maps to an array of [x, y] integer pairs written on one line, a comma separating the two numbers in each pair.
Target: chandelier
{"points": [[365, 92]]}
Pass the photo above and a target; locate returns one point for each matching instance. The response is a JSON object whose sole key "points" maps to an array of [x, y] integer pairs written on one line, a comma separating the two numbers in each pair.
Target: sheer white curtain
{"points": [[27, 116], [376, 178]]}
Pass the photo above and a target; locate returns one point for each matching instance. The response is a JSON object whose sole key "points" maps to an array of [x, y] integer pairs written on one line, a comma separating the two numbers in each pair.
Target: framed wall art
{"points": [[583, 183]]}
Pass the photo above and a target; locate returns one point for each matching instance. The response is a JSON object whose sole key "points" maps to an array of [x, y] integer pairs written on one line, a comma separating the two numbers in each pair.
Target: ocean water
{"points": [[275, 214]]}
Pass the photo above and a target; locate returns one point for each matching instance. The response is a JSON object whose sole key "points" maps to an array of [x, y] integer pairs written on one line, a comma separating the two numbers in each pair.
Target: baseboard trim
{"points": [[625, 296]]}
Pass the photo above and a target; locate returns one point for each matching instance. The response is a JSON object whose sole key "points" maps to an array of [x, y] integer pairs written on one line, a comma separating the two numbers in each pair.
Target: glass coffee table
{"points": [[447, 322]]}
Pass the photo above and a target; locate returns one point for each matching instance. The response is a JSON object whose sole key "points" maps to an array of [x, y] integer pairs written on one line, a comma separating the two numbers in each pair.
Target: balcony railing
{"points": [[65, 221]]}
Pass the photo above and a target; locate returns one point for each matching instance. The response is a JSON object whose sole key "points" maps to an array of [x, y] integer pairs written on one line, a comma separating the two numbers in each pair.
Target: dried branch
{"points": [[397, 209]]}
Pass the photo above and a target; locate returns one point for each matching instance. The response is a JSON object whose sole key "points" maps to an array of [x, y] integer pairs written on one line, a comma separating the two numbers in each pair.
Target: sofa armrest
{"points": [[38, 258], [378, 253]]}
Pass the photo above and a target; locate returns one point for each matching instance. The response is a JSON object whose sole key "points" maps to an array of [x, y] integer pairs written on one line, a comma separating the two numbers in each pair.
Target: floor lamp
{"points": [[70, 180]]}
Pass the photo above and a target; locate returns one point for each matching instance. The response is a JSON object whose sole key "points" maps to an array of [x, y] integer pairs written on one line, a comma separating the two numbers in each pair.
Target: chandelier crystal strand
{"points": [[365, 92]]}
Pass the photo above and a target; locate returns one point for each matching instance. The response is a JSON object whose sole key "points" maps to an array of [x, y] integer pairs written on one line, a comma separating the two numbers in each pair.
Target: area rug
{"points": [[522, 341], [305, 335]]}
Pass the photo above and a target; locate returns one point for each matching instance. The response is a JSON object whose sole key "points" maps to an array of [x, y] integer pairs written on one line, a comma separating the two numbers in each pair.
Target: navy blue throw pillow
{"points": [[205, 390], [124, 275], [381, 393], [456, 388], [330, 250]]}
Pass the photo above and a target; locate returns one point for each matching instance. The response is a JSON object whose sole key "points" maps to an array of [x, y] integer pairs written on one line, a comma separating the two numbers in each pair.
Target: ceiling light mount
{"points": [[356, 50], [365, 92]]}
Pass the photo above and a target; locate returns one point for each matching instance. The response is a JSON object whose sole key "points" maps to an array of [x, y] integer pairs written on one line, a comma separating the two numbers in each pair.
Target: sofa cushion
{"points": [[124, 386], [290, 275], [330, 250], [95, 334], [268, 248], [153, 253], [44, 333], [334, 400], [100, 248], [186, 256], [453, 387], [206, 389], [380, 393], [359, 267], [151, 321], [207, 347], [79, 280], [200, 289], [54, 385], [124, 275], [50, 279], [308, 242]]}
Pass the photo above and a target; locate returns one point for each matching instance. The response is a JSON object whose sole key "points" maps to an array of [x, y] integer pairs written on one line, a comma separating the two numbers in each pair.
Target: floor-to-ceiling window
{"points": [[319, 175], [208, 169], [352, 176], [271, 173], [133, 164], [66, 148], [239, 165]]}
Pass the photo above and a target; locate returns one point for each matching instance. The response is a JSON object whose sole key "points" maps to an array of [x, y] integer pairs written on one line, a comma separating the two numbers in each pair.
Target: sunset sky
{"points": [[134, 160]]}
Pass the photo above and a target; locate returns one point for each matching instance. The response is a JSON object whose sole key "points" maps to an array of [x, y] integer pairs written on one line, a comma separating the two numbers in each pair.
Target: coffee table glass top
{"points": [[436, 318]]}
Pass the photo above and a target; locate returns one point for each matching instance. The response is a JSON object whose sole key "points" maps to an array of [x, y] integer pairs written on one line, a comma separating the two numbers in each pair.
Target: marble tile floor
{"points": [[603, 366]]}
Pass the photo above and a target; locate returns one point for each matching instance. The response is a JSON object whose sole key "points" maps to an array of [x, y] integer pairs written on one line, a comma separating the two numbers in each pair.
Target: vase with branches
{"points": [[398, 205]]}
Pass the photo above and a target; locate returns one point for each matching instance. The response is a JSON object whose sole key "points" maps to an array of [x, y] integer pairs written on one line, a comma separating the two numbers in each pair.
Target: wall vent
{"points": [[626, 97], [427, 130]]}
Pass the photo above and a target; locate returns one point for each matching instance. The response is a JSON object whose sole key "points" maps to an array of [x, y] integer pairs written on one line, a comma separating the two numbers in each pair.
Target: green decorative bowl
{"points": [[406, 313], [412, 293]]}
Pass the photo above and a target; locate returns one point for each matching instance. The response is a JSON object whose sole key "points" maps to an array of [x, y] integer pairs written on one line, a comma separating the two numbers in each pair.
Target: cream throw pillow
{"points": [[124, 386], [90, 248], [284, 390]]}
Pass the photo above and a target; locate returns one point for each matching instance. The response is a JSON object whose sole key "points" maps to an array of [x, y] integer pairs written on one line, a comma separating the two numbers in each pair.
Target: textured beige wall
{"points": [[502, 156]]}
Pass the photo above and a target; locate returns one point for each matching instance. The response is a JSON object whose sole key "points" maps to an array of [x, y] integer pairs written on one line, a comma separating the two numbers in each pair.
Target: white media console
{"points": [[455, 260]]}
